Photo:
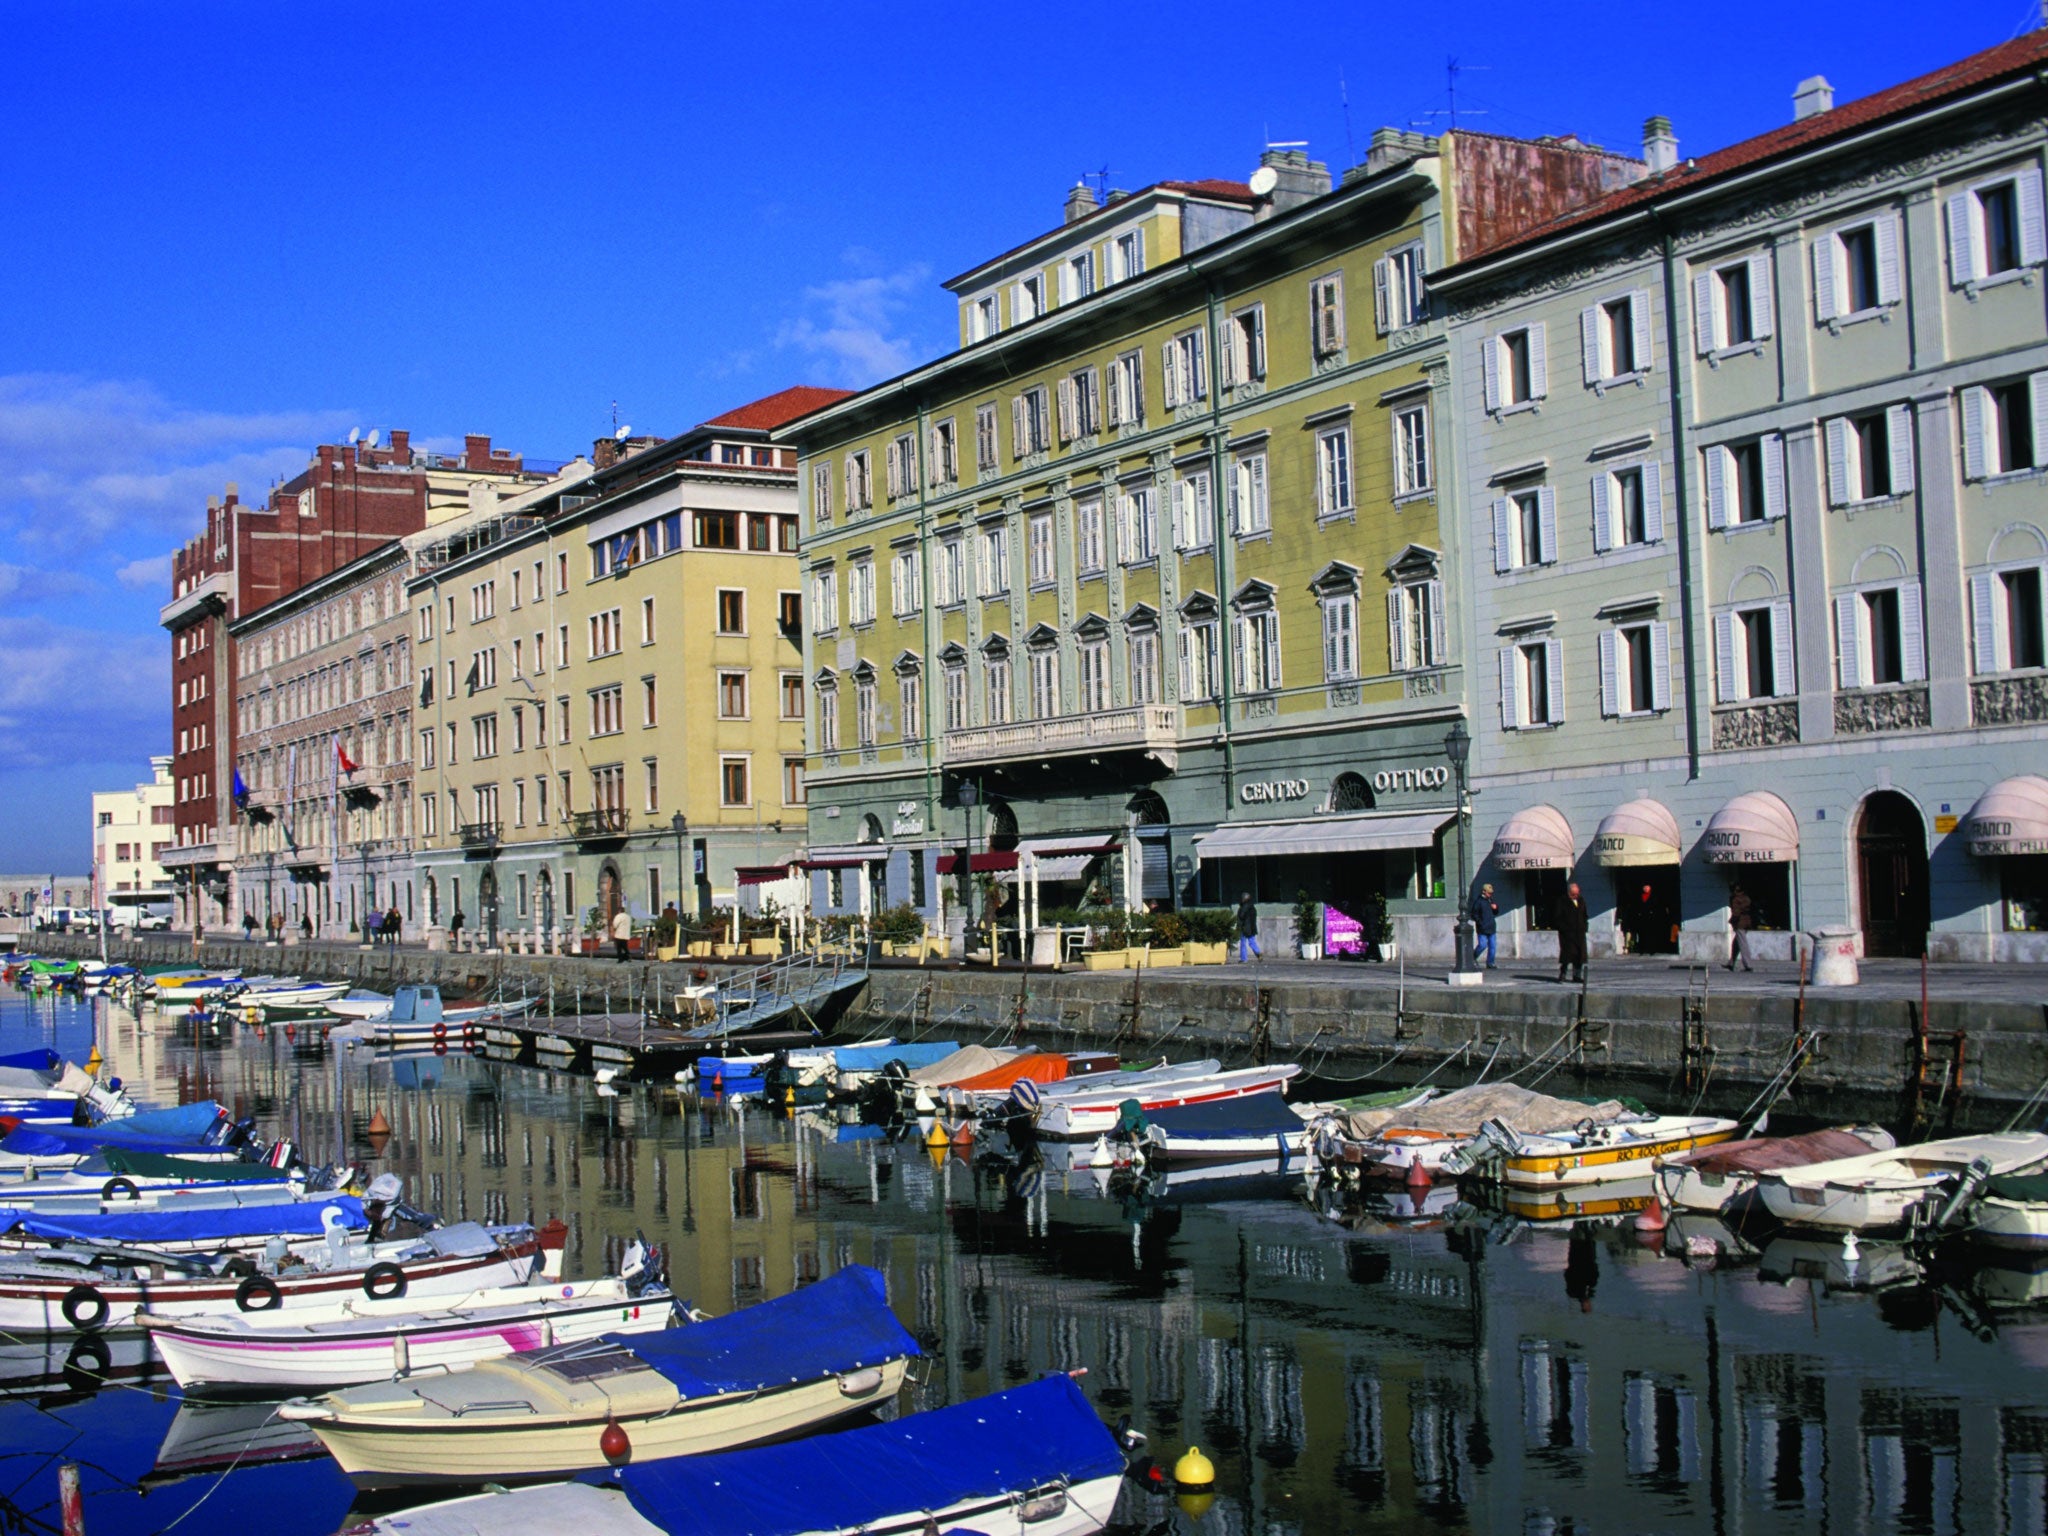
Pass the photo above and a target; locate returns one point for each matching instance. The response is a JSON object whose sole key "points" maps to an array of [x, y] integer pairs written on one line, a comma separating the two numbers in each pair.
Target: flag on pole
{"points": [[240, 792], [341, 753]]}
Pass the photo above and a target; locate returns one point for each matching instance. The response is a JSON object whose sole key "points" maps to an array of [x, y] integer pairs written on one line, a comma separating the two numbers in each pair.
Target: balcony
{"points": [[604, 825], [479, 834], [1149, 728], [209, 596]]}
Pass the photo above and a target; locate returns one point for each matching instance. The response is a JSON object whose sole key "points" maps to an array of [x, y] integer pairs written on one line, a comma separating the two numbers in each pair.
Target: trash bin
{"points": [[1833, 962]]}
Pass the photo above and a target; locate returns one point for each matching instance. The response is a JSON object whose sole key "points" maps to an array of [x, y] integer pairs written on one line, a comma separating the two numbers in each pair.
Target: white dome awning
{"points": [[1537, 838], [1756, 828], [1637, 835], [2011, 817]]}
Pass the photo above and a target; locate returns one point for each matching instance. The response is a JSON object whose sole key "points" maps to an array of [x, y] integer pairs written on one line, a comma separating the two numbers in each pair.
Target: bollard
{"points": [[72, 1498]]}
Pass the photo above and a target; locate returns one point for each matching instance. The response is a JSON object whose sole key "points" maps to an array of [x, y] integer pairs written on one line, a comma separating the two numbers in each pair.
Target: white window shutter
{"points": [[1539, 363], [1186, 637], [1824, 278], [1489, 362], [1773, 447], [1266, 627], [931, 454], [1197, 381], [1170, 380], [1962, 240], [851, 480], [1255, 360], [1837, 429], [1227, 366], [1717, 487], [1783, 666], [1114, 413], [1546, 525], [1660, 664], [1976, 402], [1017, 426], [1066, 410], [1183, 514], [2037, 393], [1589, 343], [1984, 623], [1912, 634], [2033, 231], [1726, 687], [1762, 307], [1706, 331], [1653, 502], [1503, 547], [1439, 646], [1382, 308], [1849, 638], [1610, 672], [1887, 260], [1639, 319], [1898, 432], [1510, 712], [1553, 656], [1603, 512]]}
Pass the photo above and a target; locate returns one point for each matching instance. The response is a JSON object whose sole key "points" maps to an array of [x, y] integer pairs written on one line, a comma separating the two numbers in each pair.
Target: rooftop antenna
{"points": [[1452, 69], [1344, 96], [1101, 180]]}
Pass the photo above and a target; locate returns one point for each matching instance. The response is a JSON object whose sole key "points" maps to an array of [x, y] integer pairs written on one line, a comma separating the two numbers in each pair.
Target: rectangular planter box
{"points": [[1107, 959], [1161, 957], [725, 951], [769, 947], [1193, 953], [700, 949], [665, 952]]}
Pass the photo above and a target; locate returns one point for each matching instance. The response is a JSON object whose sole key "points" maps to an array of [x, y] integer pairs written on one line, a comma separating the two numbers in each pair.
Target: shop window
{"points": [[2024, 882], [1769, 887], [1543, 892]]}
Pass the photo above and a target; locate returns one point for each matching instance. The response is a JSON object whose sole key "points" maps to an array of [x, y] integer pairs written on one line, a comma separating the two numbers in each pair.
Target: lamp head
{"points": [[1458, 745], [966, 795], [679, 824]]}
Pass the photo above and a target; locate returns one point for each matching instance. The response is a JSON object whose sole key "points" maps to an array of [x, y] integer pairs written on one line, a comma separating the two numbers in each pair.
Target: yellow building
{"points": [[611, 699]]}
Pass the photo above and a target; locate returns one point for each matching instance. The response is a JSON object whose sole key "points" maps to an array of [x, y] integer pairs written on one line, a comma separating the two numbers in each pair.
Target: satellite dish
{"points": [[374, 436], [623, 433], [1263, 181], [355, 435]]}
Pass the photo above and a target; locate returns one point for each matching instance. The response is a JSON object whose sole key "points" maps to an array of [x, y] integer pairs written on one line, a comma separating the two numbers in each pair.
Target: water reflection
{"points": [[1389, 1362]]}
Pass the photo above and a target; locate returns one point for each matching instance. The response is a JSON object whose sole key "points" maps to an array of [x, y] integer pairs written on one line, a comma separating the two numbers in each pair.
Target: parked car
{"points": [[67, 920]]}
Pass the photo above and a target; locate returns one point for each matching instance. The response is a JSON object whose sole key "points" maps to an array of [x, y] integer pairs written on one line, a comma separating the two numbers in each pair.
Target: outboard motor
{"points": [[641, 1267], [1972, 1181], [380, 1200]]}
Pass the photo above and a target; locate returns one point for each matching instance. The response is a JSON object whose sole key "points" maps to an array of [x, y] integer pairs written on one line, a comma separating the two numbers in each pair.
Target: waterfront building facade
{"points": [[132, 829], [609, 711], [1157, 566], [1752, 460], [25, 895]]}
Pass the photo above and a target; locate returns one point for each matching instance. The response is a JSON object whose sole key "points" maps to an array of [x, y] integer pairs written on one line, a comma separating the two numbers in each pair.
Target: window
{"points": [[986, 320], [607, 710], [483, 601], [732, 611], [860, 482], [786, 535], [430, 815], [1044, 661], [995, 560], [1143, 656], [1244, 347], [604, 633], [1258, 647], [518, 729], [1127, 256], [1525, 529], [1138, 526], [1029, 428], [647, 701], [1249, 511], [1333, 471], [828, 717], [950, 579], [1077, 277], [1038, 531], [1080, 408], [732, 695], [791, 686], [1094, 677], [1415, 626], [1516, 369], [1326, 314], [1745, 482], [792, 781], [1411, 450], [483, 736], [562, 722], [1340, 636], [1184, 378], [1628, 507], [646, 625], [860, 593], [1399, 297], [562, 572], [996, 679], [653, 804], [2005, 427], [2006, 619], [821, 494], [1127, 390], [1088, 537], [717, 530], [1199, 679], [483, 672], [1753, 652], [864, 711], [1878, 636], [760, 533], [1615, 337], [1635, 668], [426, 626], [1194, 512], [902, 466], [910, 702], [789, 613], [954, 683], [985, 438], [427, 748], [1995, 228], [1870, 457], [825, 600], [943, 453], [1731, 305], [906, 582], [562, 646], [1856, 270], [1531, 685]]}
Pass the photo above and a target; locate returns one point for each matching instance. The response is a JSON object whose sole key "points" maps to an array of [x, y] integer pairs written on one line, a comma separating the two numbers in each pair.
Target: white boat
{"points": [[300, 998], [1600, 1153], [1085, 1109], [400, 1339], [85, 1190], [1033, 1461], [1249, 1126], [325, 1220], [1390, 1136], [2010, 1213], [1723, 1178], [1880, 1191], [777, 1369]]}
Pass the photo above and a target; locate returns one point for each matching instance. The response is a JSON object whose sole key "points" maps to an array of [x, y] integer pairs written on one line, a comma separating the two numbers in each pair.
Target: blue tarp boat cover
{"points": [[1252, 1114], [43, 1060], [872, 1058], [208, 1224], [988, 1448], [840, 1324], [152, 1130]]}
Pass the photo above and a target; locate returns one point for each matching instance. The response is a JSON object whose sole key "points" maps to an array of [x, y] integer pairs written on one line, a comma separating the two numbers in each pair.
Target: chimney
{"points": [[1080, 203], [605, 452], [1298, 180], [476, 450], [1660, 145], [1811, 97], [401, 446]]}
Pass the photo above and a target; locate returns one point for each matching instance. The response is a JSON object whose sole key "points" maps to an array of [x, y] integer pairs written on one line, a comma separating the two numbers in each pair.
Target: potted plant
{"points": [[1209, 930], [593, 930], [1308, 926], [666, 929], [1169, 939], [1112, 950], [1379, 930], [900, 931]]}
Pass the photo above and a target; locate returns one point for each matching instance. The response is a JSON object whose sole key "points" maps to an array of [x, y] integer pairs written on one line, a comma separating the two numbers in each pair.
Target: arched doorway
{"points": [[1891, 875]]}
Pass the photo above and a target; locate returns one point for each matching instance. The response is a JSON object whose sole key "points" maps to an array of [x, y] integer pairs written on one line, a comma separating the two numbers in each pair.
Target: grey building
{"points": [[1751, 458]]}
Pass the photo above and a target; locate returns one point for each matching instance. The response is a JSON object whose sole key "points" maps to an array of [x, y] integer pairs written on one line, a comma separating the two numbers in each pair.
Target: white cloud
{"points": [[853, 327], [152, 573], [69, 694]]}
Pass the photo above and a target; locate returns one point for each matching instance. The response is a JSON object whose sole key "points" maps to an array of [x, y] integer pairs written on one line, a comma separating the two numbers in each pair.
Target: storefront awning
{"points": [[1324, 834], [837, 863], [979, 863], [1537, 838], [1756, 828], [1059, 858], [760, 874], [1637, 835], [2011, 817]]}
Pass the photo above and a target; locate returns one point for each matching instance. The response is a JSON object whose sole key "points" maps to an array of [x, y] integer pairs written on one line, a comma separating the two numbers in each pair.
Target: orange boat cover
{"points": [[1040, 1067]]}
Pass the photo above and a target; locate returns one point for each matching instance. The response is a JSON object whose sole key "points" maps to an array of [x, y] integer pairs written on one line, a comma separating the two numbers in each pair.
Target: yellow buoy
{"points": [[937, 1136], [1194, 1472], [92, 1062]]}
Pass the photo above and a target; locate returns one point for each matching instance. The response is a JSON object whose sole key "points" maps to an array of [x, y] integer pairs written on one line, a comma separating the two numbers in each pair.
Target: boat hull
{"points": [[1542, 1165], [1071, 1117], [2021, 1225]]}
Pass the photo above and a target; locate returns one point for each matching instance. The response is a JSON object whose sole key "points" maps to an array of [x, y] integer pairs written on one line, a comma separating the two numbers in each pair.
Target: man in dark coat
{"points": [[1571, 933], [1248, 931], [1741, 918]]}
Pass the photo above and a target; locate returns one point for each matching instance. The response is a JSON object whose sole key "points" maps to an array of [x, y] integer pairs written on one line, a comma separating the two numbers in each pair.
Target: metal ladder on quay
{"points": [[763, 994]]}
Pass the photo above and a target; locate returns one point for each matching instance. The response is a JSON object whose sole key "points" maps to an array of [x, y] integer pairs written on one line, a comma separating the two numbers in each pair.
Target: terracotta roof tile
{"points": [[785, 405]]}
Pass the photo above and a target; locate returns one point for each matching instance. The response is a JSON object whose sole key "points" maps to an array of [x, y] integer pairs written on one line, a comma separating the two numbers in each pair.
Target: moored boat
{"points": [[1249, 1126], [1592, 1152], [1883, 1191], [1723, 1178]]}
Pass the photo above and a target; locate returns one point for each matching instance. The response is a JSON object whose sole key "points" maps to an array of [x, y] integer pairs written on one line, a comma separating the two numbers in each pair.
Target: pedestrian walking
{"points": [[1572, 922], [1248, 930], [1485, 926], [248, 926], [1741, 918], [622, 933], [306, 925], [455, 929], [393, 924]]}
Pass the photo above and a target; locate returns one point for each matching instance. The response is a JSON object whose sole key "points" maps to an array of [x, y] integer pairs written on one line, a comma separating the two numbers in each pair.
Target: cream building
{"points": [[130, 829]]}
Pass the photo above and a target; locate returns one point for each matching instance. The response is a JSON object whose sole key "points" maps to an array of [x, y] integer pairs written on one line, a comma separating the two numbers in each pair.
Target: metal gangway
{"points": [[801, 984]]}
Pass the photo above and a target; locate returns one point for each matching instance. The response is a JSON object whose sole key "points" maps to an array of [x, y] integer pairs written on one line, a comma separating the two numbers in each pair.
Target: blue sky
{"points": [[234, 230]]}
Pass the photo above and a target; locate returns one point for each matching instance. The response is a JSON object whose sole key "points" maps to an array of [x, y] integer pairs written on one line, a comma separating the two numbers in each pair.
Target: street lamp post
{"points": [[680, 825], [1458, 748], [369, 895], [966, 797]]}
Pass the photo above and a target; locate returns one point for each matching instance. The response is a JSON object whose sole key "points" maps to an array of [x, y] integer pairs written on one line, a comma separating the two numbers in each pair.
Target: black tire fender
{"points": [[384, 1282], [84, 1308], [253, 1286], [118, 1188]]}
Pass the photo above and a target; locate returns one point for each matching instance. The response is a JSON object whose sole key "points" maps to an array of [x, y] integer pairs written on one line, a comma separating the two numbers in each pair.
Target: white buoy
{"points": [[1850, 1252], [1101, 1157], [606, 1074], [922, 1102]]}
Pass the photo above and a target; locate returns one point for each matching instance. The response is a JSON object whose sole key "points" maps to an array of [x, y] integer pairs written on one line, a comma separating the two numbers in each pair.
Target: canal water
{"points": [[1348, 1366]]}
